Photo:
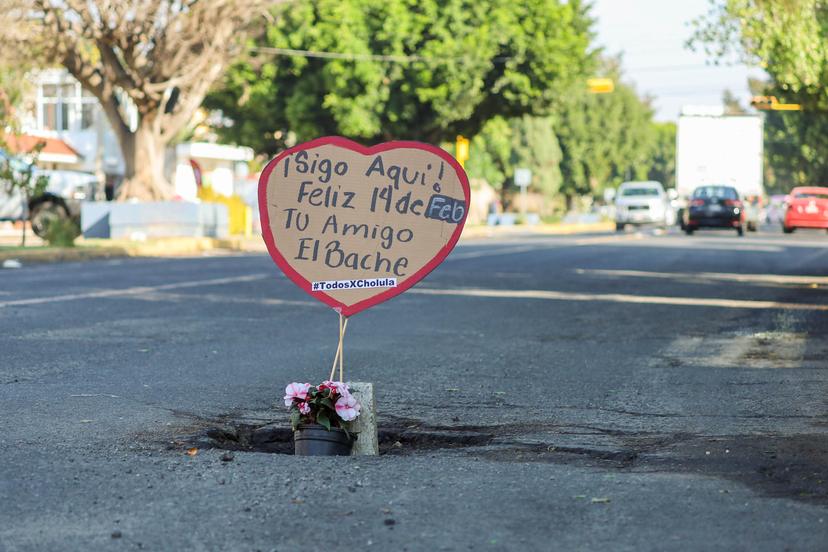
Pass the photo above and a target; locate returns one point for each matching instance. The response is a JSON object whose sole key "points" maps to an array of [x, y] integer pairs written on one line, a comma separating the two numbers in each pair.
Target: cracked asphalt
{"points": [[626, 392]]}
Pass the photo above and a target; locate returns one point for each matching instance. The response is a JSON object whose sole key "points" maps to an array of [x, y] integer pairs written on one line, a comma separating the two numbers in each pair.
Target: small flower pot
{"points": [[315, 440]]}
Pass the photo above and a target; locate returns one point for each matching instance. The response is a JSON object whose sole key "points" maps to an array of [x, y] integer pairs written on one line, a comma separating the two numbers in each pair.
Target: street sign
{"points": [[354, 226], [523, 177]]}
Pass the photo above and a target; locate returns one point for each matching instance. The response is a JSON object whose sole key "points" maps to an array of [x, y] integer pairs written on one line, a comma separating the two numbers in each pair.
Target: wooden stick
{"points": [[338, 350], [342, 350]]}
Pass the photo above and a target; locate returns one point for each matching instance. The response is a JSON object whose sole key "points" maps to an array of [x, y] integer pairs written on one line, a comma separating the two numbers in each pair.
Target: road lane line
{"points": [[542, 246], [216, 298], [705, 247], [721, 276], [620, 298], [492, 253], [133, 290]]}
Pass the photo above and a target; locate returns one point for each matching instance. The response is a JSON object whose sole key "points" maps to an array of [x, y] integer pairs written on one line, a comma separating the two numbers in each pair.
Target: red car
{"points": [[807, 207]]}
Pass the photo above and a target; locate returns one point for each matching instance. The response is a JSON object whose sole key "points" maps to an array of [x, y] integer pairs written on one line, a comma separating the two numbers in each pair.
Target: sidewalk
{"points": [[176, 247]]}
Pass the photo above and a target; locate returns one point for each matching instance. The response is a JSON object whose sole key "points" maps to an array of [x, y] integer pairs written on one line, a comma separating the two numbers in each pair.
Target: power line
{"points": [[362, 57], [667, 68]]}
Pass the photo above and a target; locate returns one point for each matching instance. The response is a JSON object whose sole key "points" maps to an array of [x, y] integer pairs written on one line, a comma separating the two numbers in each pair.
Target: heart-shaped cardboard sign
{"points": [[354, 226]]}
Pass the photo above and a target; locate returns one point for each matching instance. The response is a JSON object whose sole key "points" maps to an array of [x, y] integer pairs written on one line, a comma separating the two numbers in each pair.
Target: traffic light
{"points": [[461, 150], [600, 85], [763, 102], [771, 103]]}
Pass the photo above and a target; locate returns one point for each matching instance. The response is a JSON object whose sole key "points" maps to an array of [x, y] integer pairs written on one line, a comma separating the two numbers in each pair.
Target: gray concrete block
{"points": [[160, 219], [367, 443]]}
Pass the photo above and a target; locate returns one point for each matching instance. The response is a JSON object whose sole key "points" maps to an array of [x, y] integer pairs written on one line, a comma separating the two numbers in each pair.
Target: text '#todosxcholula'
{"points": [[361, 283]]}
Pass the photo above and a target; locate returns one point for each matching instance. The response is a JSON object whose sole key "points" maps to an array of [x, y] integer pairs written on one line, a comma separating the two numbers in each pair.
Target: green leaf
{"points": [[327, 403], [294, 418], [322, 419]]}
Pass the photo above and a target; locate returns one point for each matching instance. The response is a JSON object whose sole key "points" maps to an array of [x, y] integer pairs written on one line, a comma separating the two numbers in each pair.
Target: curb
{"points": [[88, 249], [472, 232]]}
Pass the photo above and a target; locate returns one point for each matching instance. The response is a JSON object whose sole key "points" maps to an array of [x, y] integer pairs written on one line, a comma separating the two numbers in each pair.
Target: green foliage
{"points": [[62, 232], [605, 138], [502, 146], [663, 156], [796, 143], [787, 38], [319, 407], [323, 420], [535, 146], [17, 175], [490, 153], [453, 66]]}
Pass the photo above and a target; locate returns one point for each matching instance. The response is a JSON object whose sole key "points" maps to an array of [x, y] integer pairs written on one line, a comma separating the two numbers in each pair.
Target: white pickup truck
{"points": [[62, 199]]}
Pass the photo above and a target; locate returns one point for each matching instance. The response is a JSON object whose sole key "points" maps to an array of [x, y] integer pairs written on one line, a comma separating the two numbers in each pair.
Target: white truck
{"points": [[725, 150], [61, 200]]}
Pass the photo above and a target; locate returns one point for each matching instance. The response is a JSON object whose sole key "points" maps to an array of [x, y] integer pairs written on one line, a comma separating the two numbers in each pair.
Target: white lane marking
{"points": [[215, 298], [621, 298], [706, 246], [721, 276], [493, 252], [133, 290], [542, 245], [780, 241]]}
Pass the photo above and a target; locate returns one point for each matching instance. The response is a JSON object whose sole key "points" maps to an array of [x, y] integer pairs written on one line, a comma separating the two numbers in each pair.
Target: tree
{"points": [[732, 105], [504, 145], [19, 177], [375, 70], [535, 146], [787, 38], [796, 143], [663, 156], [490, 154], [149, 63], [605, 138]]}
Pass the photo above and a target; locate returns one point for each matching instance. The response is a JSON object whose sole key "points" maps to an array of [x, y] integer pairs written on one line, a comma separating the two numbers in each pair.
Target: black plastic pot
{"points": [[315, 440]]}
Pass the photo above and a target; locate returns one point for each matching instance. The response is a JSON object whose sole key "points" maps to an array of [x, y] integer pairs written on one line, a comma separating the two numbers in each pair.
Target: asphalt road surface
{"points": [[603, 392]]}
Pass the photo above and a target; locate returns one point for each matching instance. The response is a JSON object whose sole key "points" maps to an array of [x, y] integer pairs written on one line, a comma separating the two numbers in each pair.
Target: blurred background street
{"points": [[627, 350]]}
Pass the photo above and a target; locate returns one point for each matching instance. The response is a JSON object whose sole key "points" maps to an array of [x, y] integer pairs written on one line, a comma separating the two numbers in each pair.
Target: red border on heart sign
{"points": [[339, 141]]}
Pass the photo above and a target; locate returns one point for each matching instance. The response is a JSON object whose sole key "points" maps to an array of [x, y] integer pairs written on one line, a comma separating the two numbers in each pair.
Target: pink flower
{"points": [[296, 391], [337, 387], [304, 408], [347, 407]]}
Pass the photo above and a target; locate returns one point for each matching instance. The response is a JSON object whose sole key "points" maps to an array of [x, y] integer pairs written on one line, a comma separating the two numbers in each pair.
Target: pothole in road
{"points": [[393, 440], [778, 466]]}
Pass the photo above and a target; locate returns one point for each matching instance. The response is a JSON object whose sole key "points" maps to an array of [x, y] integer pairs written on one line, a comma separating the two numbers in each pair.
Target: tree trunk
{"points": [[143, 152], [504, 196]]}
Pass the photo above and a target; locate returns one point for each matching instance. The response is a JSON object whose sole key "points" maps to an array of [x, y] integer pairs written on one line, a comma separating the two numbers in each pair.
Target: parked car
{"points": [[62, 199], [642, 203], [715, 207], [806, 207]]}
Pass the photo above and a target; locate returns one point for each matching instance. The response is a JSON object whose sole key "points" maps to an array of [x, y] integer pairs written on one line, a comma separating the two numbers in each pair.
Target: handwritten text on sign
{"points": [[334, 211]]}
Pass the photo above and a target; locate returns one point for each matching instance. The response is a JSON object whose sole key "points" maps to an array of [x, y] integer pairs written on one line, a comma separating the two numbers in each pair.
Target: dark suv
{"points": [[714, 207]]}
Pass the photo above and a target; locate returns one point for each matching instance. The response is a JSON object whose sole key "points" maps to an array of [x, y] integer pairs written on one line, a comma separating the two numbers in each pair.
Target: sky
{"points": [[651, 35]]}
